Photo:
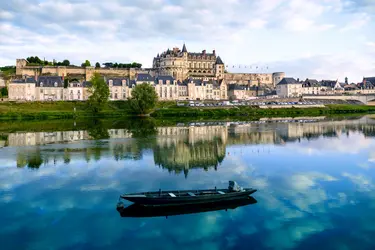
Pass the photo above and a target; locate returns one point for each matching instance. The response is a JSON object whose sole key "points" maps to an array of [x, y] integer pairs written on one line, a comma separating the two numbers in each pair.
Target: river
{"points": [[314, 179]]}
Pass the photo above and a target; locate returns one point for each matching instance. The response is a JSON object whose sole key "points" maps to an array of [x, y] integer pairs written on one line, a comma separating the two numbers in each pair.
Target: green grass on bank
{"points": [[115, 109], [257, 112]]}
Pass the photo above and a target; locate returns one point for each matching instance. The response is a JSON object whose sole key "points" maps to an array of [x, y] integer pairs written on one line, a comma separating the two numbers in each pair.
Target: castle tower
{"points": [[184, 50], [219, 68]]}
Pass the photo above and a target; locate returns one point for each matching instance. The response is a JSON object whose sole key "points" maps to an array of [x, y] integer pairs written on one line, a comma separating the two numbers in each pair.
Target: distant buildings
{"points": [[290, 87], [54, 88]]}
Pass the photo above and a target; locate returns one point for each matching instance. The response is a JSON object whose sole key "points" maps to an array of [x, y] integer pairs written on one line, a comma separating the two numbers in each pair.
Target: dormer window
{"points": [[110, 82], [78, 85], [41, 84], [55, 84]]}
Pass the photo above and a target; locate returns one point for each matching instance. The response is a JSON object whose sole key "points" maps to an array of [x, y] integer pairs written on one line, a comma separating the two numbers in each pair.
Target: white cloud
{"points": [[357, 22], [272, 31]]}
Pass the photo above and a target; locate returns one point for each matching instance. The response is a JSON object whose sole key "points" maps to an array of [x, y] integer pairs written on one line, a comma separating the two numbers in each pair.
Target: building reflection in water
{"points": [[177, 149]]}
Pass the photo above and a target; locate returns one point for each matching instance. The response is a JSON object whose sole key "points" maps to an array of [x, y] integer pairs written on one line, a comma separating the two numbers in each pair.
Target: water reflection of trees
{"points": [[32, 159]]}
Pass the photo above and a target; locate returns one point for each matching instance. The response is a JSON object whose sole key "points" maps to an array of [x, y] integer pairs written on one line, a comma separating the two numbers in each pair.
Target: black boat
{"points": [[137, 210], [188, 196]]}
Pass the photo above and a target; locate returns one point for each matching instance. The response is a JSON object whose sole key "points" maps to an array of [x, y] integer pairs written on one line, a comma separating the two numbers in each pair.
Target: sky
{"points": [[321, 39]]}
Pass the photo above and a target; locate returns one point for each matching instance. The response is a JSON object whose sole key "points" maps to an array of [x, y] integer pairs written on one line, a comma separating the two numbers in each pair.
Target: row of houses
{"points": [[54, 88], [290, 87]]}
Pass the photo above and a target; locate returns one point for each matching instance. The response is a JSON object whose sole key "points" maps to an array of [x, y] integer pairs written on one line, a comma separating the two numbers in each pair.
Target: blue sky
{"points": [[323, 39]]}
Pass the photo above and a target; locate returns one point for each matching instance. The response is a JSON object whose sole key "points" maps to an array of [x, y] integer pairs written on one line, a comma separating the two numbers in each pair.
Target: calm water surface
{"points": [[315, 181]]}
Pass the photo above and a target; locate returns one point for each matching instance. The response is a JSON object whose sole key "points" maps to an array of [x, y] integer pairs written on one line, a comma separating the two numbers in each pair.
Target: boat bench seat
{"points": [[191, 194], [220, 192], [172, 194]]}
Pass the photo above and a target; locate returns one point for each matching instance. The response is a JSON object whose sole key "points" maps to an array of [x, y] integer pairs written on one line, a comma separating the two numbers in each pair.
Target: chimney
{"points": [[63, 77], [214, 52], [204, 52]]}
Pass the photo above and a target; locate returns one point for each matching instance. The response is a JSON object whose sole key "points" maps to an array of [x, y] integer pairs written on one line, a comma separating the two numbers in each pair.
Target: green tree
{"points": [[66, 62], [144, 99], [99, 93], [4, 92], [97, 65], [86, 64]]}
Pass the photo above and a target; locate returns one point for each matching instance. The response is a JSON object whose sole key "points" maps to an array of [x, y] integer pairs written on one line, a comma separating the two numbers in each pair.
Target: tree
{"points": [[97, 65], [86, 64], [144, 99], [66, 62], [4, 92], [99, 93]]}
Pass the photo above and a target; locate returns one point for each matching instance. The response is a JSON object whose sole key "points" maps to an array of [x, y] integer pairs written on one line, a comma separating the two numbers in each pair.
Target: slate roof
{"points": [[311, 83], [367, 84], [118, 81], [49, 81], [288, 80], [198, 82], [27, 80], [328, 83], [369, 79], [183, 83], [200, 54], [86, 84], [144, 77], [219, 61], [184, 48], [164, 79]]}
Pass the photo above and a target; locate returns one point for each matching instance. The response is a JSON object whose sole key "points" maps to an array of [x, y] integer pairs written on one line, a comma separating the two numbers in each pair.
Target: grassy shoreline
{"points": [[164, 110]]}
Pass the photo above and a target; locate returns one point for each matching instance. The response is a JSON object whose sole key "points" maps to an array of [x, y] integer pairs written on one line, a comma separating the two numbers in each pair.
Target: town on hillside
{"points": [[176, 74]]}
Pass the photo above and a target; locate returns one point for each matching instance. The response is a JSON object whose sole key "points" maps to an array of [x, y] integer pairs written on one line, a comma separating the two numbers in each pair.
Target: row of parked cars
{"points": [[242, 103]]}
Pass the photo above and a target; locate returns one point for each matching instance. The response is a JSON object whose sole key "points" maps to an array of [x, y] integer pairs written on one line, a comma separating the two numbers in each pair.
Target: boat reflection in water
{"points": [[137, 210]]}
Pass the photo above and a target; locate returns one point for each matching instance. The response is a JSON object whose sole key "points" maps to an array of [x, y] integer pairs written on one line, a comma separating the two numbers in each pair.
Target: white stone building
{"points": [[289, 87]]}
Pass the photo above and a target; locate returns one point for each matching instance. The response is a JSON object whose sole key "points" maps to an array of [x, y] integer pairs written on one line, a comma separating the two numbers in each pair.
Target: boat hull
{"points": [[137, 210], [149, 200]]}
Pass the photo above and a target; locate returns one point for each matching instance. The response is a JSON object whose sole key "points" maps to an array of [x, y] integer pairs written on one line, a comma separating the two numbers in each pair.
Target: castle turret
{"points": [[219, 68]]}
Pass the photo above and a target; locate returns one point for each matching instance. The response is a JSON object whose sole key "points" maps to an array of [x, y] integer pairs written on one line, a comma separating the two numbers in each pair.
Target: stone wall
{"points": [[87, 73]]}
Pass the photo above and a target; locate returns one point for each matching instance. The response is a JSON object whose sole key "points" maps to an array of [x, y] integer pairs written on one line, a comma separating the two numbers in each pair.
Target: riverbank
{"points": [[256, 112], [116, 109]]}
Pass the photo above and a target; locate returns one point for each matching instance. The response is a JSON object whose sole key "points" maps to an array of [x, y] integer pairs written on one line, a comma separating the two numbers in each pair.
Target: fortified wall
{"points": [[74, 72]]}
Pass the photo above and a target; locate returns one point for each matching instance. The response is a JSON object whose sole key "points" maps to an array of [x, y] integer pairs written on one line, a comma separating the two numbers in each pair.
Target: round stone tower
{"points": [[277, 77]]}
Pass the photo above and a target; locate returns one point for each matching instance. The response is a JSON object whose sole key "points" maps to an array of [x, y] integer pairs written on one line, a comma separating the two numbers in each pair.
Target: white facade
{"points": [[22, 91], [289, 87]]}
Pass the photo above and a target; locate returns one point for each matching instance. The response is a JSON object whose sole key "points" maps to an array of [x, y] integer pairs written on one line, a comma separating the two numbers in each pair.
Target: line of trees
{"points": [[36, 61], [123, 65]]}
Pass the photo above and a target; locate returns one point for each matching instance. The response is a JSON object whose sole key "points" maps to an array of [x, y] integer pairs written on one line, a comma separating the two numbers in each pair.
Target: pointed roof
{"points": [[184, 48], [219, 61]]}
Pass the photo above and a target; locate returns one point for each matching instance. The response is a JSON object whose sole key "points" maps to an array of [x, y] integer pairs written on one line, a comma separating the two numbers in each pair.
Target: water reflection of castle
{"points": [[176, 149], [179, 149]]}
